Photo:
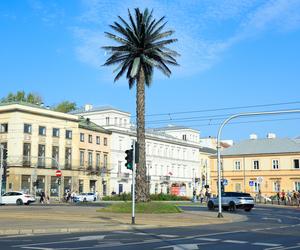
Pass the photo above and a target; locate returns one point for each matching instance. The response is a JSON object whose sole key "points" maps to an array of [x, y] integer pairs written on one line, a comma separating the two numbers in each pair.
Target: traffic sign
{"points": [[259, 179], [225, 182], [58, 173], [251, 183]]}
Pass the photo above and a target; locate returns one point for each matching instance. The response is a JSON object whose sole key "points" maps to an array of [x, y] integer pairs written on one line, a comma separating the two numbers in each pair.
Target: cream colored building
{"points": [[40, 141], [269, 164]]}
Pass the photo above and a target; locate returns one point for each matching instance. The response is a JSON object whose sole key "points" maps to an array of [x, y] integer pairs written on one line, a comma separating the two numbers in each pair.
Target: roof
{"points": [[263, 146], [208, 150], [172, 127], [87, 124], [96, 109]]}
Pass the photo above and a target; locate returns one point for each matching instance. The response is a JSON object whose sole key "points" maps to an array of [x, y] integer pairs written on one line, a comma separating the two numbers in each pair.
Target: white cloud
{"points": [[200, 44]]}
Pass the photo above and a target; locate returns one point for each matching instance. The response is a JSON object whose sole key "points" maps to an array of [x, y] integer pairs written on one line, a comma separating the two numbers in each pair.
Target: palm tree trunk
{"points": [[142, 192]]}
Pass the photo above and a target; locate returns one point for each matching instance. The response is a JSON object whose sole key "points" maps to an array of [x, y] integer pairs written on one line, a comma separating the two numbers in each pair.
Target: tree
{"points": [[20, 96], [65, 106], [141, 48]]}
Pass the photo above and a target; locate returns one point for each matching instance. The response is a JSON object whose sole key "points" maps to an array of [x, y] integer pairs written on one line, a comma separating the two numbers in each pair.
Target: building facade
{"points": [[172, 154], [39, 141], [268, 165]]}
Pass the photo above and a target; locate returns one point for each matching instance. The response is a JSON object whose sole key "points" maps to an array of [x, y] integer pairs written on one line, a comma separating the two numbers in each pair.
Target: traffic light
{"points": [[129, 159]]}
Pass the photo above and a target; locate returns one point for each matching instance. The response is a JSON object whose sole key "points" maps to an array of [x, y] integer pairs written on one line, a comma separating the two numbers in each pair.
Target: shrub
{"points": [[153, 197]]}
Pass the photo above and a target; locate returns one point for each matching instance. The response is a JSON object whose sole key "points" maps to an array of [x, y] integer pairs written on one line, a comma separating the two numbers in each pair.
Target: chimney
{"points": [[253, 137], [88, 107], [88, 120], [271, 136]]}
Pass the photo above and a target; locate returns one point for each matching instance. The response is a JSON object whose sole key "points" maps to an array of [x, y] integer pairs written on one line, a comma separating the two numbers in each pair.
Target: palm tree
{"points": [[141, 48]]}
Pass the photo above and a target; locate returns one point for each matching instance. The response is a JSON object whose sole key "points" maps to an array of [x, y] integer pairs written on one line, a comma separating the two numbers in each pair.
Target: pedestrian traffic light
{"points": [[129, 159]]}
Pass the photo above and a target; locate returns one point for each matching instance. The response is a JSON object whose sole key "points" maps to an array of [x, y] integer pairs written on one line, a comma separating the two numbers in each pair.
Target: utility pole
{"points": [[278, 112]]}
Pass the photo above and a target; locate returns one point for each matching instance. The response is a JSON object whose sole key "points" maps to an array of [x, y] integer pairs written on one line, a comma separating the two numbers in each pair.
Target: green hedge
{"points": [[153, 197]]}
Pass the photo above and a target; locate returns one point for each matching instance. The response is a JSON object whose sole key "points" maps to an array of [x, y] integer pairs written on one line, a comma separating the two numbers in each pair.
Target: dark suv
{"points": [[231, 201]]}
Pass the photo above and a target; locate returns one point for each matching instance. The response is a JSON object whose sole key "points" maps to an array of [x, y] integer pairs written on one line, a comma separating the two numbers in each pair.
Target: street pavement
{"points": [[266, 227]]}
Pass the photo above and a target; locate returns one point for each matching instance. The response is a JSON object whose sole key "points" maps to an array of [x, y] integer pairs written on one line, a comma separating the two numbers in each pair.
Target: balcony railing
{"points": [[165, 178], [123, 175]]}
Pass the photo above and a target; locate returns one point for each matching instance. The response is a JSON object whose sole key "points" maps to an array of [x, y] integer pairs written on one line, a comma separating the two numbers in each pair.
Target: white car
{"points": [[85, 197], [15, 197]]}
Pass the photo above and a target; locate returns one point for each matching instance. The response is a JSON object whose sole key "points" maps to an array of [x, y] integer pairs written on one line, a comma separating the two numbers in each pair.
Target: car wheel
{"points": [[19, 202], [210, 205], [248, 209], [232, 206], [84, 200]]}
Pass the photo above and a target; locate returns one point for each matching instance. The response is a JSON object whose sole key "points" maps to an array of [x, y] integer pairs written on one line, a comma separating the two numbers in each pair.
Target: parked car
{"points": [[15, 197], [85, 197], [232, 201]]}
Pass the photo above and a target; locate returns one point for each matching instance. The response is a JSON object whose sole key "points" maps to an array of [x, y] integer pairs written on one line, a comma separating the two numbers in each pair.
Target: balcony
{"points": [[123, 175], [165, 178], [68, 166], [41, 162]]}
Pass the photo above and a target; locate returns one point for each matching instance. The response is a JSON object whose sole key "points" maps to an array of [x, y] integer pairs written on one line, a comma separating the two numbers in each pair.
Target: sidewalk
{"points": [[61, 219]]}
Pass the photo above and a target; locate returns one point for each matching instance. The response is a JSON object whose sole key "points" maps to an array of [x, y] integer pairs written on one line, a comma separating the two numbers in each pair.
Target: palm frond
{"points": [[135, 67], [116, 38]]}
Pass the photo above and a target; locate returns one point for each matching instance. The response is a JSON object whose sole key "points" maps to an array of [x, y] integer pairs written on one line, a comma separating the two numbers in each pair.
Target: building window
{"points": [[81, 158], [68, 158], [3, 128], [237, 165], [98, 140], [55, 156], [105, 161], [41, 156], [97, 160], [42, 130], [275, 164], [276, 186], [256, 165], [238, 187], [119, 167], [55, 132], [184, 137], [25, 184], [82, 137], [90, 159], [68, 134], [27, 128], [105, 141], [296, 163], [107, 120], [26, 154], [90, 138], [297, 186], [80, 185]]}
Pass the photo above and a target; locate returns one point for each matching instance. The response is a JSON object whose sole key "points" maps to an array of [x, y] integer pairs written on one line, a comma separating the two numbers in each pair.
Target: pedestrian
{"points": [[42, 197], [289, 197], [298, 198], [283, 198], [194, 196], [73, 194], [278, 197], [201, 196]]}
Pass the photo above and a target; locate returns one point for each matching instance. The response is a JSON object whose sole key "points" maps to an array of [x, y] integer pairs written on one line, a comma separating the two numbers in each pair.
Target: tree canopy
{"points": [[21, 96], [65, 107]]}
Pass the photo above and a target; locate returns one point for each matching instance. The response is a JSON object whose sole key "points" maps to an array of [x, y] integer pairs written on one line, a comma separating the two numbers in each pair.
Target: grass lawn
{"points": [[148, 208]]}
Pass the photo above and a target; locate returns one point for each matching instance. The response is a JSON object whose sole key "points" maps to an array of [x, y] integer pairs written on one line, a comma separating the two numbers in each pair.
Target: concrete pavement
{"points": [[67, 218]]}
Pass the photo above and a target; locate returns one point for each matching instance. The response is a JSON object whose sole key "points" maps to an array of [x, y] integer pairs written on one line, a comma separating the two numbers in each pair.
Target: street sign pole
{"points": [[133, 184]]}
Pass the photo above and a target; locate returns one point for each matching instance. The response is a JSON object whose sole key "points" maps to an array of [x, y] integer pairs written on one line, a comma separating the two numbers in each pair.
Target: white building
{"points": [[172, 154]]}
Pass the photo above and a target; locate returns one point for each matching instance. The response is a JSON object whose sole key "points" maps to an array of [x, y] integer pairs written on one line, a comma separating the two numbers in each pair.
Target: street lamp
{"points": [[219, 143]]}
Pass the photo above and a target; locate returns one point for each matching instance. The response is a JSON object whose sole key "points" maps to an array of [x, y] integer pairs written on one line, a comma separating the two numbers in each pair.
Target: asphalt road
{"points": [[267, 228]]}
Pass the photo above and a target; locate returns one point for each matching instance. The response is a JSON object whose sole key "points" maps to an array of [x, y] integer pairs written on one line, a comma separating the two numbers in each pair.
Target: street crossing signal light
{"points": [[129, 159]]}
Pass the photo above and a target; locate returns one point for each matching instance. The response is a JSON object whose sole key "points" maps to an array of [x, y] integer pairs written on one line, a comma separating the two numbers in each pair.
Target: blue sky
{"points": [[233, 53]]}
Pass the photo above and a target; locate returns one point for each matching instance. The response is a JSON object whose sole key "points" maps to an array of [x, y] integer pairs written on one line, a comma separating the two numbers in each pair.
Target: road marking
{"points": [[167, 235], [140, 234], [235, 241], [207, 239], [69, 240], [266, 244], [183, 246], [292, 247], [267, 218], [39, 248]]}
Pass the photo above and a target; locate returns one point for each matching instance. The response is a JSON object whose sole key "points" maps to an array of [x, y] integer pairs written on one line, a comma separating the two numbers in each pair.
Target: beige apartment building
{"points": [[39, 141], [268, 165]]}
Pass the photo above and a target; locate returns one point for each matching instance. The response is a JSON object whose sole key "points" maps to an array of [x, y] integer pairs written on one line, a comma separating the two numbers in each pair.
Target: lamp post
{"points": [[219, 142]]}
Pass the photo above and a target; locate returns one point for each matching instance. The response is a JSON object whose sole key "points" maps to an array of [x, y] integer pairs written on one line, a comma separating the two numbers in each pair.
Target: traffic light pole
{"points": [[1, 171], [133, 184]]}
